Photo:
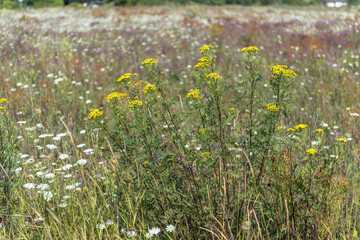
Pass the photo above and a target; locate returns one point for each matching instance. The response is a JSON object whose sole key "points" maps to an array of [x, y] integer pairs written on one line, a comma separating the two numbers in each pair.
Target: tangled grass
{"points": [[232, 142]]}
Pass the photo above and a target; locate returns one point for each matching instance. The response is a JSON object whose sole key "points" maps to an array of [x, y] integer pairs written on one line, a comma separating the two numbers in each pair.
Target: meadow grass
{"points": [[161, 123]]}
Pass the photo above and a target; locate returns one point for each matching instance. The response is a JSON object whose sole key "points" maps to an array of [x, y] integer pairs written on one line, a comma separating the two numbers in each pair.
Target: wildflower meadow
{"points": [[191, 122]]}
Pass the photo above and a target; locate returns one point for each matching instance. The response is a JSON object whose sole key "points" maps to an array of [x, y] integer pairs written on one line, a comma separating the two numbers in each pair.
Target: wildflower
{"points": [[49, 175], [213, 76], [145, 163], [279, 70], [94, 113], [300, 126], [154, 231], [29, 185], [101, 226], [201, 65], [290, 130], [319, 130], [206, 48], [115, 95], [149, 62], [170, 228], [313, 47], [2, 100], [204, 60], [82, 161], [278, 128], [2, 109], [89, 151], [125, 76], [48, 196], [51, 146], [206, 154], [194, 94], [202, 130], [272, 108], [251, 49], [81, 145], [311, 151], [135, 103], [148, 88], [341, 140]]}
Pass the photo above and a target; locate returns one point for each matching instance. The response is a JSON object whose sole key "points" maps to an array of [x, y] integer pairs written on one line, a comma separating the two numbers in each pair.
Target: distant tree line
{"points": [[223, 2]]}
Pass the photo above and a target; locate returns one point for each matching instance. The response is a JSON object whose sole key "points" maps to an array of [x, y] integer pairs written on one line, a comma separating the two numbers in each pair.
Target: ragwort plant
{"points": [[216, 163]]}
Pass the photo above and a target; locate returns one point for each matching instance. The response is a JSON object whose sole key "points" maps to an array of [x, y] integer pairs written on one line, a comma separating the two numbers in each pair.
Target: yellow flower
{"points": [[2, 100], [2, 109], [194, 94], [290, 130], [202, 130], [148, 88], [135, 103], [125, 76], [251, 49], [311, 151], [278, 128], [145, 163], [341, 140], [272, 108], [279, 70], [301, 126], [206, 48], [94, 113], [213, 76], [319, 130], [204, 59], [201, 65], [313, 47], [149, 62], [206, 154], [115, 95]]}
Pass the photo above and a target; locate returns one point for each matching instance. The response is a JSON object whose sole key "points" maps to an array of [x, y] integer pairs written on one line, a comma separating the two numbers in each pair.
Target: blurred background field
{"points": [[58, 63]]}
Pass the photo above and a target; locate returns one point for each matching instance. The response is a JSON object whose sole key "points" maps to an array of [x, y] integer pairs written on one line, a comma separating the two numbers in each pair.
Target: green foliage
{"points": [[8, 180]]}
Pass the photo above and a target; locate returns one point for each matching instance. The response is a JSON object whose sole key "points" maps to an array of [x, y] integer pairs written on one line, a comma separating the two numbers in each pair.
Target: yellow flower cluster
{"points": [[148, 88], [201, 65], [202, 130], [272, 108], [301, 126], [135, 103], [319, 130], [278, 128], [149, 61], [291, 130], [282, 70], [115, 95], [194, 94], [251, 49], [341, 140], [125, 76], [311, 151], [313, 47], [206, 154], [213, 76], [2, 100], [94, 113], [206, 48], [204, 59]]}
